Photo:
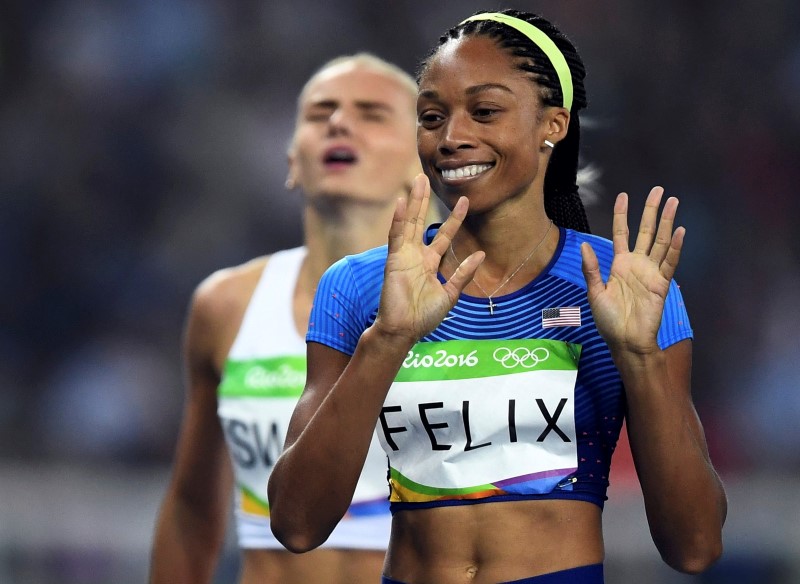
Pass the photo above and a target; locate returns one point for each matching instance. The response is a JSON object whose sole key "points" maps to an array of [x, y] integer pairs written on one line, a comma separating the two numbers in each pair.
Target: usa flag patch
{"points": [[562, 316]]}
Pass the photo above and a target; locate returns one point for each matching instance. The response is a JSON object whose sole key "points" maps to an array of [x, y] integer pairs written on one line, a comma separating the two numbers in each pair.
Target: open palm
{"points": [[627, 308], [413, 300]]}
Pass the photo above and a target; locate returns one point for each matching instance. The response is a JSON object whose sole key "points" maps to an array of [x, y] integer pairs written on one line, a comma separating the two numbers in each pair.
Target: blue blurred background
{"points": [[142, 146]]}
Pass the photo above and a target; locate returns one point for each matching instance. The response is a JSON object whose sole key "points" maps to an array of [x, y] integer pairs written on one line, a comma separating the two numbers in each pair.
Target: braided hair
{"points": [[562, 203]]}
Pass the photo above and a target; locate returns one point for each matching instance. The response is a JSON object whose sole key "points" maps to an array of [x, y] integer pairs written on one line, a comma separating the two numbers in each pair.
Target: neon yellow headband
{"points": [[542, 41]]}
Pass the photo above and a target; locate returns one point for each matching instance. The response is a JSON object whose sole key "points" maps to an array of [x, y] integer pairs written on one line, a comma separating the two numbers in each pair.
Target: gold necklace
{"points": [[492, 304]]}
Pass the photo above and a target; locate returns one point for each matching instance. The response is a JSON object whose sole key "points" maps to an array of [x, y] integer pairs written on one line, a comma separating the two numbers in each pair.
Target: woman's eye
{"points": [[374, 117], [484, 112], [318, 117], [430, 118]]}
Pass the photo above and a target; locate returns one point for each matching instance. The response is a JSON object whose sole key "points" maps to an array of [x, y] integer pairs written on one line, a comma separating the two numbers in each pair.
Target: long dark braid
{"points": [[562, 203]]}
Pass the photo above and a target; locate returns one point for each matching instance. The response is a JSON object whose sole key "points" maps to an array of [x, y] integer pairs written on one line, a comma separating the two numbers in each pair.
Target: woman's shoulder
{"points": [[603, 248], [576, 238], [363, 265], [217, 307], [229, 288]]}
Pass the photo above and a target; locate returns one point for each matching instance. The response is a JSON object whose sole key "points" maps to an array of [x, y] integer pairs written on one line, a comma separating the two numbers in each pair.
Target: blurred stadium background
{"points": [[142, 146]]}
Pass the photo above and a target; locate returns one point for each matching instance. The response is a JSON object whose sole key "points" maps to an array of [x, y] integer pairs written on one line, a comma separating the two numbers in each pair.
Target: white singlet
{"points": [[263, 378]]}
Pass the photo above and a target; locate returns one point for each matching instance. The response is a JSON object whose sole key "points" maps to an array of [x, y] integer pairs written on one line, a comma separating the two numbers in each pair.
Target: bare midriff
{"points": [[320, 566], [493, 542]]}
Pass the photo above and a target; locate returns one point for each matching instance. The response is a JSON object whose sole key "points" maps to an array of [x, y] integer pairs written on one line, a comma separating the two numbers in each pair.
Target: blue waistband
{"points": [[583, 575], [569, 495]]}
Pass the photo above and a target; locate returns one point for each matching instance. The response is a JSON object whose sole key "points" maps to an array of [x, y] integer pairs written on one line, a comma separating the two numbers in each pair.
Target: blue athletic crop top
{"points": [[525, 403]]}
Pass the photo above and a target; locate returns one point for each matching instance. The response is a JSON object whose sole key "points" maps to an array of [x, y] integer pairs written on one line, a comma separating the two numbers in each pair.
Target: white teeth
{"points": [[472, 170]]}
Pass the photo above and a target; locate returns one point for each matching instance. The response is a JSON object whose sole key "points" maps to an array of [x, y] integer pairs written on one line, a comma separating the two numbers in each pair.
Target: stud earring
{"points": [[549, 143], [290, 184]]}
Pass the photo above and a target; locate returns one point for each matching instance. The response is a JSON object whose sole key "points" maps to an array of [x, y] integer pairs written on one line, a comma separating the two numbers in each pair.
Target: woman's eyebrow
{"points": [[472, 90], [486, 87], [364, 105], [374, 106]]}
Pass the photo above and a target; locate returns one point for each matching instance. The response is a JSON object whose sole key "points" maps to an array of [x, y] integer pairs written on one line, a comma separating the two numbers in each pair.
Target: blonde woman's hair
{"points": [[369, 61]]}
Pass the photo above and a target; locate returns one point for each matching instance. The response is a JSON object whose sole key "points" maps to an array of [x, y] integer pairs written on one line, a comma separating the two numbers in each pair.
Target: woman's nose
{"points": [[340, 122], [456, 135]]}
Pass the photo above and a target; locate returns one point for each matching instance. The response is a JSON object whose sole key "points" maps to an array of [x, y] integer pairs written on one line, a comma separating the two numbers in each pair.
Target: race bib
{"points": [[257, 398], [473, 419]]}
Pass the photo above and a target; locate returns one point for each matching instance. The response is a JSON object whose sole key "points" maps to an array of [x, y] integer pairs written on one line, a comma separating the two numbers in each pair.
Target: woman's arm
{"points": [[313, 481], [190, 528], [684, 498]]}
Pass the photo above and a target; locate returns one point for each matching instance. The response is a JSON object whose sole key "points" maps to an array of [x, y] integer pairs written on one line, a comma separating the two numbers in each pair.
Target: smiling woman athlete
{"points": [[499, 354]]}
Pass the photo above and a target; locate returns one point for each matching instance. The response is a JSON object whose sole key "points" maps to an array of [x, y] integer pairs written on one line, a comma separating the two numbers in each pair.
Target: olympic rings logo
{"points": [[520, 356]]}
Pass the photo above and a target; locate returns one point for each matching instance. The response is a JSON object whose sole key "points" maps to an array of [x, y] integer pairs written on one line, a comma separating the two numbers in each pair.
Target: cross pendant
{"points": [[491, 307]]}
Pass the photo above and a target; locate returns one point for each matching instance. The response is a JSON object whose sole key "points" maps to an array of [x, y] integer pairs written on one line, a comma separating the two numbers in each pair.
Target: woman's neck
{"points": [[507, 234], [518, 240], [344, 228]]}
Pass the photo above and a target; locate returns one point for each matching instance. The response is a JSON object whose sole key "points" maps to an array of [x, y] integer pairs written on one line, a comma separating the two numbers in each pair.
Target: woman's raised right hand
{"points": [[413, 300]]}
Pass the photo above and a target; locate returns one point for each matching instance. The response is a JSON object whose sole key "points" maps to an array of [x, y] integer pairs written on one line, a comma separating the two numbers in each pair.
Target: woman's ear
{"points": [[556, 124], [291, 177]]}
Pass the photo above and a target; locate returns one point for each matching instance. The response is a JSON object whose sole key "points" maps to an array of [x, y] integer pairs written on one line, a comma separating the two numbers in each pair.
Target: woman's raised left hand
{"points": [[627, 308]]}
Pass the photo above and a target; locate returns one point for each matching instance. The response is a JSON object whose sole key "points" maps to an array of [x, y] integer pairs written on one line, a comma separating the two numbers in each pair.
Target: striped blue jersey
{"points": [[347, 300]]}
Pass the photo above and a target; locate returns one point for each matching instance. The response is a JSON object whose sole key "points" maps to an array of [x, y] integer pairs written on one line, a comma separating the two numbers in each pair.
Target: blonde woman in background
{"points": [[353, 154]]}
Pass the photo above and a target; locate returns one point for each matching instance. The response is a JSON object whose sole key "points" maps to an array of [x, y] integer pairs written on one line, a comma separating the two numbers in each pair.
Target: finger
{"points": [[422, 213], [619, 225], [670, 263], [664, 234], [463, 275], [418, 200], [647, 226], [591, 271], [444, 237], [397, 228]]}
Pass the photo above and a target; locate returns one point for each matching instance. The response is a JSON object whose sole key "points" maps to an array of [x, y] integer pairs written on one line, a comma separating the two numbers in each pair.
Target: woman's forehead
{"points": [[356, 82], [471, 60]]}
